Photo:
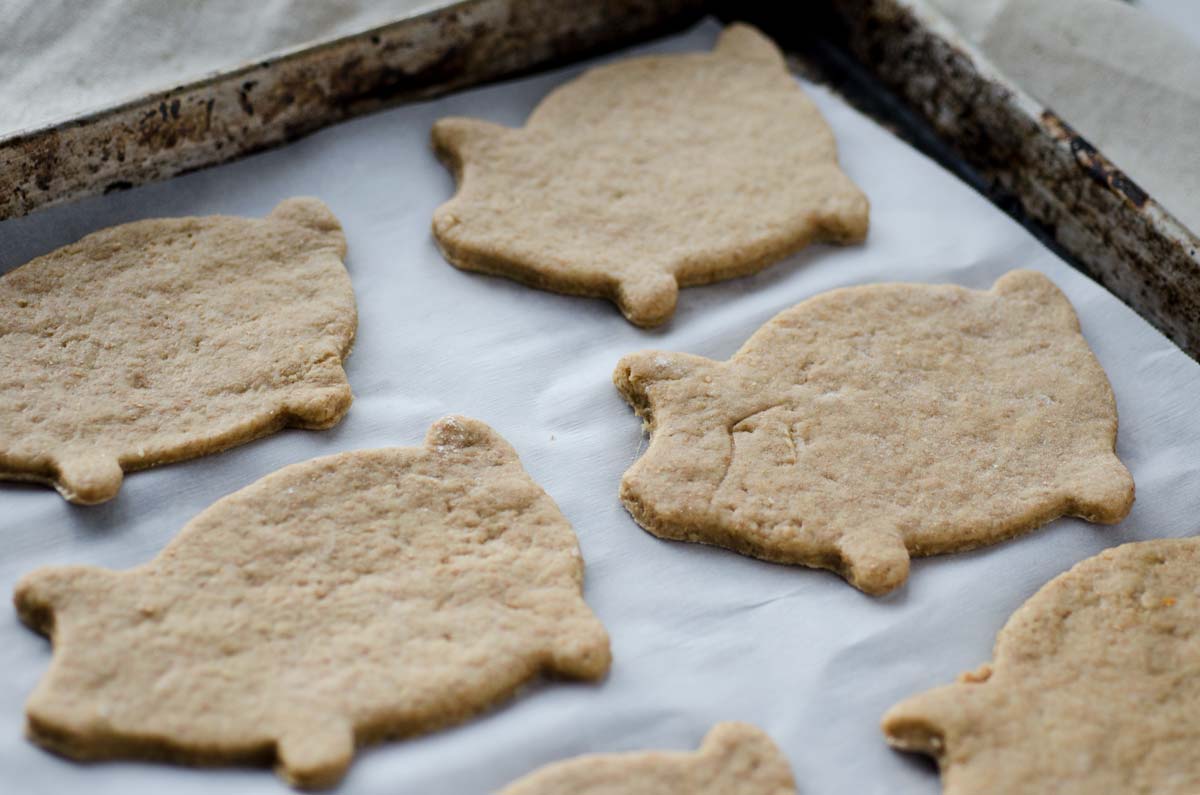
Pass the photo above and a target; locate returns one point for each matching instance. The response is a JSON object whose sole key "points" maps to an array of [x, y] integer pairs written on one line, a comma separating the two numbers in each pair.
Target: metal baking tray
{"points": [[896, 59]]}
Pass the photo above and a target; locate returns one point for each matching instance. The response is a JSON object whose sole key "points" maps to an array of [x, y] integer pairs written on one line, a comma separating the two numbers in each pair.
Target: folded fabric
{"points": [[1121, 77]]}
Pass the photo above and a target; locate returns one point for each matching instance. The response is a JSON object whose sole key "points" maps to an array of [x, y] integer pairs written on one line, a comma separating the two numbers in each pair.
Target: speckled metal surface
{"points": [[279, 99], [1025, 156]]}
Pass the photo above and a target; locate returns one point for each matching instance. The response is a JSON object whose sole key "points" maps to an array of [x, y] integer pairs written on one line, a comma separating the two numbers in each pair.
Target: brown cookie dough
{"points": [[337, 602], [647, 174], [1094, 688], [171, 338], [735, 759], [868, 424]]}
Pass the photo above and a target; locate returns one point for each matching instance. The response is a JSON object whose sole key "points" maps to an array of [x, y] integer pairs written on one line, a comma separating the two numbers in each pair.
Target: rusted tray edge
{"points": [[280, 98], [1025, 153]]}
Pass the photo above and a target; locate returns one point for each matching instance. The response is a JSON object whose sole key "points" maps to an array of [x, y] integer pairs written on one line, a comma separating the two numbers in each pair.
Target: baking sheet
{"points": [[699, 635]]}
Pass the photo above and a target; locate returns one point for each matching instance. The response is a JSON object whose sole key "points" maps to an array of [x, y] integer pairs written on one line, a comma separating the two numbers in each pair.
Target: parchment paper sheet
{"points": [[699, 635]]}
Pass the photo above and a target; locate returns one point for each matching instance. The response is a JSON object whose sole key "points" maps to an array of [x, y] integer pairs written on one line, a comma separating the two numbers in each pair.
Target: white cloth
{"points": [[1126, 79], [699, 634], [62, 58]]}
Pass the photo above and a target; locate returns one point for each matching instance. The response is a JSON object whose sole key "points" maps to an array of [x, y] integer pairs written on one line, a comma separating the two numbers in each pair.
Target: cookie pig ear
{"points": [[746, 43], [747, 752], [458, 433], [456, 138], [1026, 282], [1041, 293], [315, 215], [728, 737], [307, 212], [89, 478]]}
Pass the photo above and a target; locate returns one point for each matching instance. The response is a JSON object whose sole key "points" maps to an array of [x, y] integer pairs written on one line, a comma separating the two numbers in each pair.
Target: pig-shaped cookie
{"points": [[1094, 688], [735, 759], [340, 601], [648, 174], [171, 338], [868, 424]]}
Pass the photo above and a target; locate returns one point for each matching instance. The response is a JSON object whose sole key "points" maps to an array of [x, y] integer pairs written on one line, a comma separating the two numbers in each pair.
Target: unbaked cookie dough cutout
{"points": [[869, 424], [1094, 688], [648, 174], [171, 338], [735, 759], [337, 602]]}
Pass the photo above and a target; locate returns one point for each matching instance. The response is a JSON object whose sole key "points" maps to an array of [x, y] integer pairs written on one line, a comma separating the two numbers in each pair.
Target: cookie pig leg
{"points": [[874, 562], [320, 408], [845, 216], [648, 299], [1104, 493], [581, 649], [931, 722], [316, 752], [89, 478]]}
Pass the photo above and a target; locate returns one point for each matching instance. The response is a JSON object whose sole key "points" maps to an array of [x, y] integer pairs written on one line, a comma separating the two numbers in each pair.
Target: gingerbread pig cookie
{"points": [[1094, 688], [337, 602], [869, 424], [171, 338], [735, 759], [647, 174]]}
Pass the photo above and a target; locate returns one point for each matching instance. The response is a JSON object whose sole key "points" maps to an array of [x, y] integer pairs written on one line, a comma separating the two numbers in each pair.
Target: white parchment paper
{"points": [[699, 635]]}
